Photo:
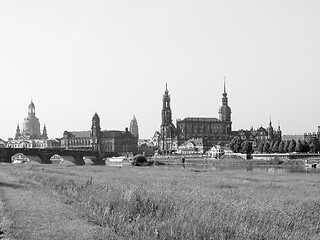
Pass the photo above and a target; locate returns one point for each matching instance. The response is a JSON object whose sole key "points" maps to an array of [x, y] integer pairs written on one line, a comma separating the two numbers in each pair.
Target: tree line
{"points": [[237, 145]]}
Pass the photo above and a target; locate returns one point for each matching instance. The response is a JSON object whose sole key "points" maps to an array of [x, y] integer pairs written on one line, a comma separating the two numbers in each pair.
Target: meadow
{"points": [[179, 203]]}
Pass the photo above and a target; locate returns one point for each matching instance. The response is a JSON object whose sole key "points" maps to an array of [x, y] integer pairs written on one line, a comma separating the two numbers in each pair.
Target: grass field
{"points": [[177, 203]]}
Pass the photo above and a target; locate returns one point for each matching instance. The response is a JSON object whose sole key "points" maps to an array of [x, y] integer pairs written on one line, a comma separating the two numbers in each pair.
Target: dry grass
{"points": [[174, 203]]}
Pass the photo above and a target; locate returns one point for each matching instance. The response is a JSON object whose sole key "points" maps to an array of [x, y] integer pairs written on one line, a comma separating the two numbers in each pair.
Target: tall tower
{"points": [[18, 133], [270, 131], [134, 129], [167, 128], [31, 125], [225, 110], [279, 133], [95, 132], [44, 133]]}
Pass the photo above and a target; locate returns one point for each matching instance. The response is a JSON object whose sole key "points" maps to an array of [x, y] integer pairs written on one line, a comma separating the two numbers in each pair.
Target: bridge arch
{"points": [[62, 159], [22, 158], [90, 160]]}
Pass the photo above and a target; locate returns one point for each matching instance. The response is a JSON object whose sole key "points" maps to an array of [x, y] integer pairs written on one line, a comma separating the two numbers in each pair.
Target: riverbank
{"points": [[226, 160]]}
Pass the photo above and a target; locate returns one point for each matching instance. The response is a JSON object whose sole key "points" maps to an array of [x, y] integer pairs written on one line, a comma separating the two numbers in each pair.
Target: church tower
{"points": [[167, 129], [134, 129], [166, 109], [31, 125], [18, 133], [270, 131], [279, 133], [44, 133], [95, 132], [225, 111]]}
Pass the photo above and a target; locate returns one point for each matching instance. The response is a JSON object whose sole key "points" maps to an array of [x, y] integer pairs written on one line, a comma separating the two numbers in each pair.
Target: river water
{"points": [[268, 169]]}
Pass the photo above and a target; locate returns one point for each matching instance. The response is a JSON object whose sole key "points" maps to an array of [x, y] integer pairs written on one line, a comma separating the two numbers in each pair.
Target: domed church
{"points": [[31, 126]]}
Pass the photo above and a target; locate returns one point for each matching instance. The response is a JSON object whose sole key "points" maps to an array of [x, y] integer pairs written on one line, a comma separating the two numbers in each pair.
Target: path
{"points": [[27, 212]]}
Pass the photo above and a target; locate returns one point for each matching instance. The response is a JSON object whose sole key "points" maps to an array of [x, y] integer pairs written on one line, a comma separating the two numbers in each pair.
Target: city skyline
{"points": [[75, 58]]}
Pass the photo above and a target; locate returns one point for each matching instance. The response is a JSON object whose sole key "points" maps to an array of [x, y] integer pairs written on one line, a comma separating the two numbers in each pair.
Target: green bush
{"points": [[140, 160]]}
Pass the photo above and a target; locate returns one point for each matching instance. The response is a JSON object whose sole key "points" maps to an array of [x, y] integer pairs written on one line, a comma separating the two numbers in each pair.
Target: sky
{"points": [[74, 58]]}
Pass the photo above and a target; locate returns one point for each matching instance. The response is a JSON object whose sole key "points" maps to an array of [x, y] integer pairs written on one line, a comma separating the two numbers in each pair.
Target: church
{"points": [[31, 126], [211, 130], [31, 136]]}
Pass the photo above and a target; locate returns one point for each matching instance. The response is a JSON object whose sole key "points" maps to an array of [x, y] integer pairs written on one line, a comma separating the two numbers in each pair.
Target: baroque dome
{"points": [[224, 108]]}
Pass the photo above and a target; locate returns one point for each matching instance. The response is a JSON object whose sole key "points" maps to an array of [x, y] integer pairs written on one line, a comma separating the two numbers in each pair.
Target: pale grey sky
{"points": [[75, 58]]}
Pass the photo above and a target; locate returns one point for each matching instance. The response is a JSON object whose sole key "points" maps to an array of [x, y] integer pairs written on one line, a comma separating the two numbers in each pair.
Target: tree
{"points": [[314, 144], [298, 147], [286, 146], [312, 147], [260, 147], [281, 147], [305, 146], [266, 147], [271, 146], [275, 147], [235, 144], [317, 148], [247, 147], [292, 146]]}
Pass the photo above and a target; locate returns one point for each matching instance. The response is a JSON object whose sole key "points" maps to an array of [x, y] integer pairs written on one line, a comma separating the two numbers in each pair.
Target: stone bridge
{"points": [[44, 155]]}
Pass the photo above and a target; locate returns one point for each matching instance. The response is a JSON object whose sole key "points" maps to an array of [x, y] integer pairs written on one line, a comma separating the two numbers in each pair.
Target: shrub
{"points": [[140, 160]]}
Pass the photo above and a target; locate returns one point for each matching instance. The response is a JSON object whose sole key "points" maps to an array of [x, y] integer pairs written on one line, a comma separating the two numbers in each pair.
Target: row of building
{"points": [[199, 134], [188, 135], [95, 139]]}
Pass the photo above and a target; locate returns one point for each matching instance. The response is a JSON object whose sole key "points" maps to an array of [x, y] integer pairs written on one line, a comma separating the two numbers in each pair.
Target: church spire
{"points": [[270, 131], [166, 109], [225, 110], [166, 91], [18, 133], [224, 94], [167, 127], [44, 133], [279, 133]]}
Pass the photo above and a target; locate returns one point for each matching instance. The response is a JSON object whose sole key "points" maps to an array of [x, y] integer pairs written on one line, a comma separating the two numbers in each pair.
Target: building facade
{"points": [[121, 142], [146, 147], [313, 135], [255, 136], [76, 140], [34, 143], [191, 147], [211, 130]]}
